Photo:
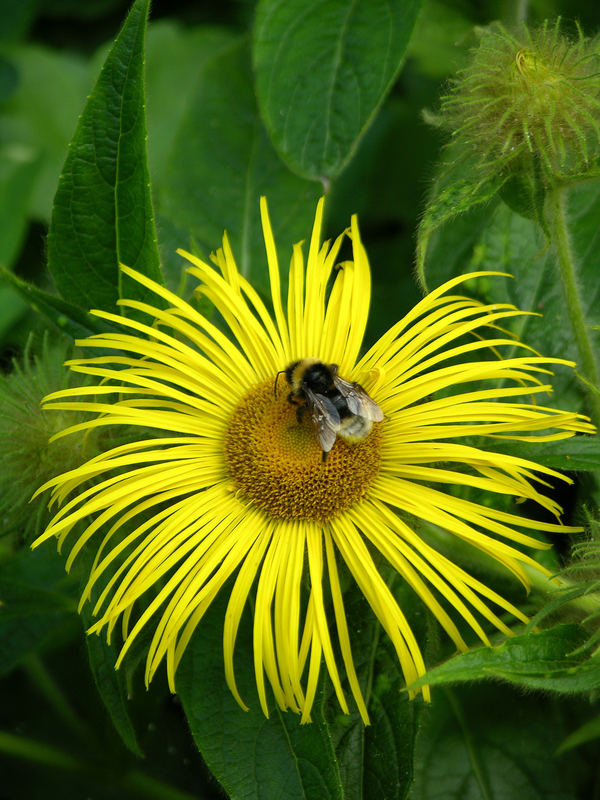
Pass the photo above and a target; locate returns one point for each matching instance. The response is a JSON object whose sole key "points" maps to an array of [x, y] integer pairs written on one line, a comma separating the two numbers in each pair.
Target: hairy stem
{"points": [[587, 604], [568, 276]]}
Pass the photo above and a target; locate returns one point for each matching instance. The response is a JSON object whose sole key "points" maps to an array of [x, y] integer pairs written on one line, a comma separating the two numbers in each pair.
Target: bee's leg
{"points": [[300, 412], [324, 456]]}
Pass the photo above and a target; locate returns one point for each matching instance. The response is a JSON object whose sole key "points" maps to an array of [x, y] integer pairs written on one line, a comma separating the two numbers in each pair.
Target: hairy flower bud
{"points": [[27, 456], [529, 101]]}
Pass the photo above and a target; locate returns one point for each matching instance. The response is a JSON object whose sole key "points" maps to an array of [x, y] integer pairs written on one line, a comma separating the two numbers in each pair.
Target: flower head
{"points": [[232, 481], [532, 93]]}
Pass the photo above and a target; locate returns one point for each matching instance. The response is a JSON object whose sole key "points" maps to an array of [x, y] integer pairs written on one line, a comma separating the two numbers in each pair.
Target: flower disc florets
{"points": [[276, 462], [532, 94]]}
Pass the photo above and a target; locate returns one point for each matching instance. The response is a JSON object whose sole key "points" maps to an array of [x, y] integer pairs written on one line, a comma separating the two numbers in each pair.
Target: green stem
{"points": [[568, 276], [588, 603]]}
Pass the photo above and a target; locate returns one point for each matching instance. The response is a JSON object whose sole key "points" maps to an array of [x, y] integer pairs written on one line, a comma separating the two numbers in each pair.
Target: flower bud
{"points": [[529, 101], [27, 456]]}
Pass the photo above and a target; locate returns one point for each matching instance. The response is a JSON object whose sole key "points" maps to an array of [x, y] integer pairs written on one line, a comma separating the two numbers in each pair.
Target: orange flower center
{"points": [[276, 462]]}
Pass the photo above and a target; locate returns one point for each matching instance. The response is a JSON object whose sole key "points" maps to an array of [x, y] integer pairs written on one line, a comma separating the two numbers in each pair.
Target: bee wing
{"points": [[325, 418], [357, 400]]}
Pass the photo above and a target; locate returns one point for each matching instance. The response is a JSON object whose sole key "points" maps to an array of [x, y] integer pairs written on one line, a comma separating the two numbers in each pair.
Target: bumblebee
{"points": [[337, 407]]}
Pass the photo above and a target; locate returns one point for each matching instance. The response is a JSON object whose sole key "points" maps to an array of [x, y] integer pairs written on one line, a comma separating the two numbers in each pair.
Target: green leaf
{"points": [[41, 114], [102, 214], [111, 688], [68, 318], [580, 453], [36, 607], [544, 660], [9, 79], [12, 308], [376, 760], [491, 742], [457, 189], [322, 70], [175, 56], [439, 41], [19, 168], [222, 162], [586, 733], [253, 757], [390, 739]]}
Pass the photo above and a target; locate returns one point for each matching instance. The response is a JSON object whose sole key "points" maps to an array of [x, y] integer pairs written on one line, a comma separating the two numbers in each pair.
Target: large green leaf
{"points": [[543, 660], [456, 191], [111, 688], [491, 742], [37, 608], [376, 760], [254, 758], [102, 214], [322, 70], [222, 162]]}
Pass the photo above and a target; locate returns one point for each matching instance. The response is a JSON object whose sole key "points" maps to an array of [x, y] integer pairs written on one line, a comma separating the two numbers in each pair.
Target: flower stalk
{"points": [[559, 227]]}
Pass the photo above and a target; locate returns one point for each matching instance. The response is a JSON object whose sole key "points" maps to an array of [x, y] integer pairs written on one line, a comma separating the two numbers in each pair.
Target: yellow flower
{"points": [[231, 484]]}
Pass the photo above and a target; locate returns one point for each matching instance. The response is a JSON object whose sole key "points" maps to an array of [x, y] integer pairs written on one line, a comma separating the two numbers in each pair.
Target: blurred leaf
{"points": [[322, 71], [12, 308], [111, 688], [19, 168], [41, 113], [586, 733], [35, 609], [251, 756], [16, 18], [73, 8], [175, 56], [222, 162], [491, 742], [439, 41], [542, 660], [580, 453], [102, 214], [68, 318], [9, 77]]}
